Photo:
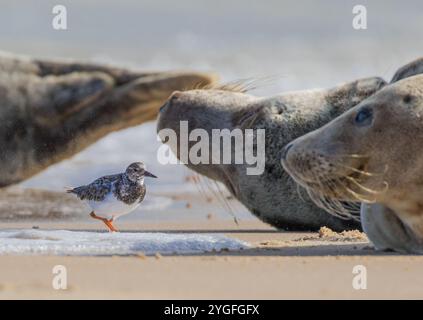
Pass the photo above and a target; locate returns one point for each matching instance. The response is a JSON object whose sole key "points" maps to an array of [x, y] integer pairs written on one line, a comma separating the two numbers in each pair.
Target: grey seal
{"points": [[51, 110], [271, 196], [371, 154]]}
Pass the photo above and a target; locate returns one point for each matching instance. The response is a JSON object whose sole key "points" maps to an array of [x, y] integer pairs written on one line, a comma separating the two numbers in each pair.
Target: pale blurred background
{"points": [[300, 44]]}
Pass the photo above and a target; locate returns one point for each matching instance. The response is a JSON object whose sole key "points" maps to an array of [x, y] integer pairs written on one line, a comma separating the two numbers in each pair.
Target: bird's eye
{"points": [[364, 117]]}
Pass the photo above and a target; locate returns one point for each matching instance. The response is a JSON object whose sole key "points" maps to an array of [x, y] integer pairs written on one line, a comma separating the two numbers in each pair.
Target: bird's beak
{"points": [[149, 174]]}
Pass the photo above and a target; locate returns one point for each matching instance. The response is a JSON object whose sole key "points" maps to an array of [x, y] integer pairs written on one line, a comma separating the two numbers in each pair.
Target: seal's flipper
{"points": [[386, 231], [58, 97], [93, 105], [58, 68], [52, 110], [409, 70], [65, 94], [139, 100], [160, 86], [123, 76]]}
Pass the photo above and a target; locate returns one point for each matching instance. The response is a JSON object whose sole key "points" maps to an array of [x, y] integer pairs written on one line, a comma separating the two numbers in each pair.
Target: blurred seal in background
{"points": [[52, 110]]}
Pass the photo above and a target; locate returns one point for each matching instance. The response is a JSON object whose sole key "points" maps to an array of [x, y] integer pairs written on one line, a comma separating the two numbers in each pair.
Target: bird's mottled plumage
{"points": [[114, 195], [123, 189]]}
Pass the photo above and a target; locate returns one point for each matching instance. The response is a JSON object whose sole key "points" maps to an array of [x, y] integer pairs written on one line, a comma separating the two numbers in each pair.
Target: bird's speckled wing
{"points": [[142, 194], [96, 190]]}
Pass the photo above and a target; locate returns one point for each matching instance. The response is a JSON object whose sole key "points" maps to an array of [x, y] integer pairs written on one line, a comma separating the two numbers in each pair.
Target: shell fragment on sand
{"points": [[86, 243]]}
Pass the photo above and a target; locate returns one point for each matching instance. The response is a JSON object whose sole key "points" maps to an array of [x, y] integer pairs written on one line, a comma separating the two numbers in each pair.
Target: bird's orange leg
{"points": [[108, 223]]}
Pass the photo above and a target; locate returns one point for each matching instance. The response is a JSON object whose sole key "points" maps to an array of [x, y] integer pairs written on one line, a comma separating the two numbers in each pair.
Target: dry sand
{"points": [[280, 265]]}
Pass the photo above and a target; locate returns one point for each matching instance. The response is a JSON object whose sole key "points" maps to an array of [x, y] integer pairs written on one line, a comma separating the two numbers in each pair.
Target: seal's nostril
{"points": [[176, 94], [286, 150]]}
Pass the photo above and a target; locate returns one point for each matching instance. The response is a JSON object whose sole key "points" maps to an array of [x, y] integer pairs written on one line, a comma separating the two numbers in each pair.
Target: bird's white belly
{"points": [[111, 207]]}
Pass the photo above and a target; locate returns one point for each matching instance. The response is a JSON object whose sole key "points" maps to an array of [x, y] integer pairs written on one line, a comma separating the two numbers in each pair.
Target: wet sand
{"points": [[280, 265]]}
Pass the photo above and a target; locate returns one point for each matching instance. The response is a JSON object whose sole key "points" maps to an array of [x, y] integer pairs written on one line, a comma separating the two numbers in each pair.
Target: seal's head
{"points": [[371, 153], [206, 110]]}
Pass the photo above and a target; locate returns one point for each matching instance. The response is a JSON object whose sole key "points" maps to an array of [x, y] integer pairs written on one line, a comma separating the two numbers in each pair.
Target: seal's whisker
{"points": [[353, 207], [241, 85], [205, 188], [231, 211], [212, 190], [348, 207], [368, 190], [219, 196], [352, 155], [330, 204], [199, 185], [363, 172], [299, 192], [358, 196]]}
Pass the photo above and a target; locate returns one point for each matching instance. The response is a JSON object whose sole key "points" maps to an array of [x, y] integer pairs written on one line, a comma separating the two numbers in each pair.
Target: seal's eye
{"points": [[407, 98], [364, 117]]}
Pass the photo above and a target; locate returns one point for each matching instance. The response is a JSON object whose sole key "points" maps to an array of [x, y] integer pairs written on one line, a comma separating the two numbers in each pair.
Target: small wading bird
{"points": [[115, 195]]}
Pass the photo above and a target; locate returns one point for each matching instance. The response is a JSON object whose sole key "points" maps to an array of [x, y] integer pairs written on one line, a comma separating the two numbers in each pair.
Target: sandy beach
{"points": [[295, 46], [279, 265]]}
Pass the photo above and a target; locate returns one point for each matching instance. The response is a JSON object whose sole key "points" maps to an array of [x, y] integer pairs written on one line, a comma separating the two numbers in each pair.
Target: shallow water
{"points": [[299, 44]]}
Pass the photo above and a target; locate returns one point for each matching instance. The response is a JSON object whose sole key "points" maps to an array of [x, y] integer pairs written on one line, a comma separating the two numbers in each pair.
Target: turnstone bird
{"points": [[115, 195]]}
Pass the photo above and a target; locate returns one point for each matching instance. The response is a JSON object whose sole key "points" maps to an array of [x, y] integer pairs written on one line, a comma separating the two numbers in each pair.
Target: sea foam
{"points": [[83, 243]]}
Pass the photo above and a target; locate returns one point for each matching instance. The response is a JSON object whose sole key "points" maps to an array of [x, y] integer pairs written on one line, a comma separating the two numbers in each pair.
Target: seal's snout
{"points": [[304, 161], [175, 95]]}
